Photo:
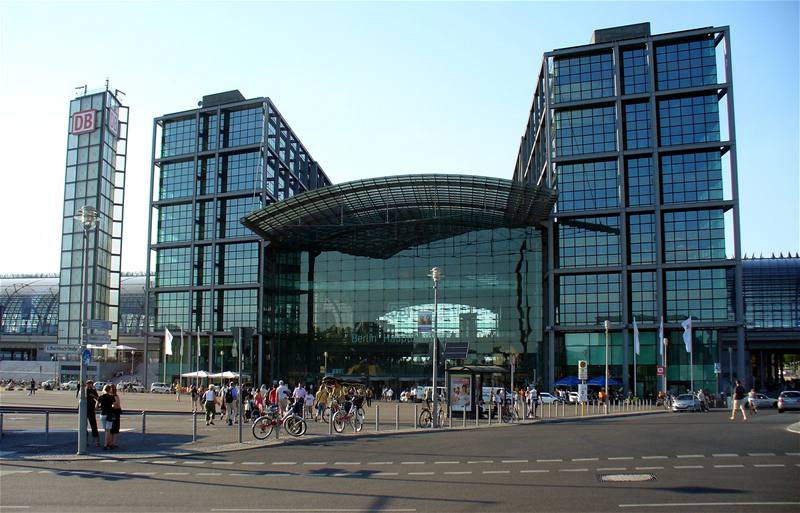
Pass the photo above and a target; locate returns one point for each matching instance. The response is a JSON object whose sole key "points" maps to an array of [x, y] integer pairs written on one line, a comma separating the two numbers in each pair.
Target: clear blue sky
{"points": [[371, 89]]}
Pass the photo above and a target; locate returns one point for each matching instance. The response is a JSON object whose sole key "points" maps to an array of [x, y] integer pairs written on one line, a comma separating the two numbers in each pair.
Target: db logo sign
{"points": [[83, 122]]}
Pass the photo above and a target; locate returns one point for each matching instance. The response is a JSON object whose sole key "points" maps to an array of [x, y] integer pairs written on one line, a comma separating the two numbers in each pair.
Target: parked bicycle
{"points": [[292, 422], [352, 413], [425, 419]]}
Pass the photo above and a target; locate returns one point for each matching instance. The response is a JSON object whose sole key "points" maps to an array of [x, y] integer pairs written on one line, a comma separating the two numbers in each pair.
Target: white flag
{"points": [[661, 337], [687, 333], [635, 337], [181, 342], [167, 342]]}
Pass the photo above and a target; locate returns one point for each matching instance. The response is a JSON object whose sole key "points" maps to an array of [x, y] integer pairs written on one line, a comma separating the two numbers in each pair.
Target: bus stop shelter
{"points": [[470, 386]]}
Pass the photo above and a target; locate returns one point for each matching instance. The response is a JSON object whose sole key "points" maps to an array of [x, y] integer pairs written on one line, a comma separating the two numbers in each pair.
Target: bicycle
{"points": [[425, 419], [509, 414], [293, 423], [351, 414]]}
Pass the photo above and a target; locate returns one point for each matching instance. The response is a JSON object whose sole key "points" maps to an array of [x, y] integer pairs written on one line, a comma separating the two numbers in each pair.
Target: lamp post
{"points": [[326, 363], [88, 218], [607, 325], [132, 353], [436, 274], [666, 345]]}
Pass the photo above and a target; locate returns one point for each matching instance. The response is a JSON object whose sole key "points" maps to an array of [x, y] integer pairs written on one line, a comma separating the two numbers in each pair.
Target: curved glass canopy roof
{"points": [[379, 217]]}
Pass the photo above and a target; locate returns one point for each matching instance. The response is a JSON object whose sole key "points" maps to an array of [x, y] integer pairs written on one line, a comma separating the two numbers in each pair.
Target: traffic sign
{"points": [[583, 392], [660, 370], [87, 356], [583, 370], [717, 368], [98, 324], [98, 339], [63, 349]]}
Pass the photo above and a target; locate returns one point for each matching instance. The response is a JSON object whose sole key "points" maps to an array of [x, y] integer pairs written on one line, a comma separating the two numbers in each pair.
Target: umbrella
{"points": [[122, 347], [197, 374], [601, 382], [225, 375], [568, 381]]}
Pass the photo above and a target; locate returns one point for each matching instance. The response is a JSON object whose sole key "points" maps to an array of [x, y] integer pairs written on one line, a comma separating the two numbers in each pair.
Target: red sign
{"points": [[113, 121], [83, 122], [659, 370]]}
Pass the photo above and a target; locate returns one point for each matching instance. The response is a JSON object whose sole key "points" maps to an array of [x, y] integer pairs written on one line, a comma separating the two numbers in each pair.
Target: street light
{"points": [[436, 274], [326, 362], [607, 325], [132, 353], [88, 218]]}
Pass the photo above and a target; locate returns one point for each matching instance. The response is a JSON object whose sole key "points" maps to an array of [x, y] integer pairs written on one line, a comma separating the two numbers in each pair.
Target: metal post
{"points": [[239, 385], [463, 418], [491, 403], [397, 417], [47, 427], [1, 424], [576, 408], [477, 415], [144, 423], [377, 417], [330, 423], [194, 426], [436, 274], [88, 218], [415, 417], [607, 325]]}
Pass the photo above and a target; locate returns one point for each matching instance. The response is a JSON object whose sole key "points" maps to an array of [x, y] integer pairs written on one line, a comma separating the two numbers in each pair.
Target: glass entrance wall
{"points": [[374, 317]]}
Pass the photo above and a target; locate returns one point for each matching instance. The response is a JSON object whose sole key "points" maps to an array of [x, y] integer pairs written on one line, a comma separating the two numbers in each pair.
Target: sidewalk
{"points": [[168, 428]]}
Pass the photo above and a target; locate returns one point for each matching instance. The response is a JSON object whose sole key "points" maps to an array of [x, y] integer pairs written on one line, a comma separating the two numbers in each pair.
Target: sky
{"points": [[370, 88]]}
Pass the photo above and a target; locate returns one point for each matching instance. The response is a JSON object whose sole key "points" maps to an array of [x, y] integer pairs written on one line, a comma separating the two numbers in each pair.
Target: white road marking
{"points": [[176, 473], [481, 461], [412, 462], [284, 463], [420, 473], [700, 504], [458, 473], [725, 455], [687, 466], [761, 454], [385, 474], [222, 463], [609, 469], [446, 462], [770, 465], [534, 471], [46, 472], [165, 462], [550, 461], [620, 458], [728, 466], [241, 474], [380, 463], [255, 463], [515, 461], [496, 472], [649, 468], [585, 459], [143, 473], [191, 462], [108, 461], [208, 474], [654, 457], [347, 463], [3, 506], [691, 456], [341, 474], [304, 463], [573, 470], [793, 453]]}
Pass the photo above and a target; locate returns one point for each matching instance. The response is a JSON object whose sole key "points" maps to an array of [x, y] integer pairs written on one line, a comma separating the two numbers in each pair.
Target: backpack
{"points": [[228, 396]]}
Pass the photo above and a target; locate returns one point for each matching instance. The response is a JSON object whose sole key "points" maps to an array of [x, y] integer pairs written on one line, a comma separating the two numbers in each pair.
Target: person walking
{"points": [[229, 400], [283, 396], [32, 389], [193, 391], [178, 391], [117, 411], [210, 398], [299, 396], [106, 402], [91, 416], [738, 401], [272, 396], [751, 401]]}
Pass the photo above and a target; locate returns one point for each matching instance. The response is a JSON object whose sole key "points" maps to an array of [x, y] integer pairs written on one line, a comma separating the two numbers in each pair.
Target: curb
{"points": [[312, 439]]}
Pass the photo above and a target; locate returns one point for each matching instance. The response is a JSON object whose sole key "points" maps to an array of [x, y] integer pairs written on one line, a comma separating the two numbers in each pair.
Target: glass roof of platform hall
{"points": [[379, 217]]}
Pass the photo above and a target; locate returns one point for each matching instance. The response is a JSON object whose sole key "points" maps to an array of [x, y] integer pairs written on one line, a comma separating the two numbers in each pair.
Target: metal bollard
{"points": [[576, 408], [490, 415], [278, 429], [524, 409], [463, 418], [144, 423], [415, 416], [47, 427], [330, 423], [449, 417], [478, 415], [1, 424], [377, 417], [397, 417], [549, 410], [194, 426]]}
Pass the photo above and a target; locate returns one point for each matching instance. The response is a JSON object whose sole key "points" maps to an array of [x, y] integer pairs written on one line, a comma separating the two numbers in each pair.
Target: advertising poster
{"points": [[460, 392], [425, 321]]}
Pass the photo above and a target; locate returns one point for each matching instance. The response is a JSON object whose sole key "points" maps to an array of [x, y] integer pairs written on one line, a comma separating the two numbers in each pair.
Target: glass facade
{"points": [[587, 186], [583, 77]]}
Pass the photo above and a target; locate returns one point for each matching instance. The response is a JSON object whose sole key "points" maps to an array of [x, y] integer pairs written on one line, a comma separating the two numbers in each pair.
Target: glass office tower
{"points": [[211, 166], [95, 176], [636, 132]]}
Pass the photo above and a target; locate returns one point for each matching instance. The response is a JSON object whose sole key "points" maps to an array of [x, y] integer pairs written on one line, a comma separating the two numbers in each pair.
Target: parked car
{"points": [[159, 388], [762, 401], [132, 387], [70, 385], [98, 385], [50, 384], [788, 400], [573, 397], [548, 398], [685, 402]]}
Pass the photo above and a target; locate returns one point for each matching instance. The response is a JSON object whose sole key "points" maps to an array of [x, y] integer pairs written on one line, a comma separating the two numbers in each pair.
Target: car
{"points": [[788, 400], [573, 397], [50, 384], [159, 388], [70, 385], [548, 398], [98, 385], [762, 401], [132, 387], [685, 402]]}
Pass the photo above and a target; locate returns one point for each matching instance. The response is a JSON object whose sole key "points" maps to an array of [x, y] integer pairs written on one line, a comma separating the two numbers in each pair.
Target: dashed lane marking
{"points": [[190, 462], [176, 473], [616, 458], [550, 461], [143, 473], [307, 463], [447, 462], [385, 474], [347, 463], [380, 463], [765, 465], [222, 463], [496, 472], [728, 466], [682, 467], [701, 504], [726, 455], [420, 473], [208, 474], [573, 470], [480, 461], [534, 471], [691, 456], [412, 462], [515, 461], [761, 454], [255, 463], [585, 459], [458, 473], [108, 461], [610, 469], [284, 463], [793, 453], [649, 468], [165, 462], [654, 457]]}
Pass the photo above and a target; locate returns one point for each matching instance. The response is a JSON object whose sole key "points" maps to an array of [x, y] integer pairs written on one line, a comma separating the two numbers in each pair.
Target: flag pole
{"points": [[180, 365], [634, 374]]}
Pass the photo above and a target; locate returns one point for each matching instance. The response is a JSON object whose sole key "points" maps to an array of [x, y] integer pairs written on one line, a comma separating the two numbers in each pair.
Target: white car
{"points": [[547, 398], [159, 388], [762, 401], [70, 385]]}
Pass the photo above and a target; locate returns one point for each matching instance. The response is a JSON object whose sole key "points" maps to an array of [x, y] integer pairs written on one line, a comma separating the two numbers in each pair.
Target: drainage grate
{"points": [[627, 478]]}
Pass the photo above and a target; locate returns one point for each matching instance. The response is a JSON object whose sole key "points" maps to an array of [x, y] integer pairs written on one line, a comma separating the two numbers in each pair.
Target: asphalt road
{"points": [[699, 462]]}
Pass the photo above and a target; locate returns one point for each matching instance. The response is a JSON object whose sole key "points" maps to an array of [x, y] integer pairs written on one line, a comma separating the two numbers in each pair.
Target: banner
{"points": [[661, 337], [167, 342], [425, 321], [460, 393], [687, 334], [635, 337]]}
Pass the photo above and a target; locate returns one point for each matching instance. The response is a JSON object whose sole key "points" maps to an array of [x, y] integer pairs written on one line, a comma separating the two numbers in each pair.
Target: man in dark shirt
{"points": [[91, 400], [738, 400]]}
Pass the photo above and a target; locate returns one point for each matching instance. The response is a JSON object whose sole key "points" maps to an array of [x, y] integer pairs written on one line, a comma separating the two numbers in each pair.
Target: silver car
{"points": [[762, 401], [685, 402], [788, 400]]}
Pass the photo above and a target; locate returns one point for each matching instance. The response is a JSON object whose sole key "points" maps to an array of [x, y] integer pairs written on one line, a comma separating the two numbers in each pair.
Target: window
{"points": [[589, 299], [642, 238], [689, 120], [178, 137], [209, 132], [582, 78], [203, 266], [587, 185], [694, 236], [687, 64], [588, 242], [238, 263], [236, 308], [634, 71], [637, 125], [232, 211], [173, 267], [206, 176], [241, 171], [640, 181], [172, 309], [176, 180], [585, 131], [701, 293], [175, 223], [691, 177], [243, 127], [204, 220], [643, 296]]}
